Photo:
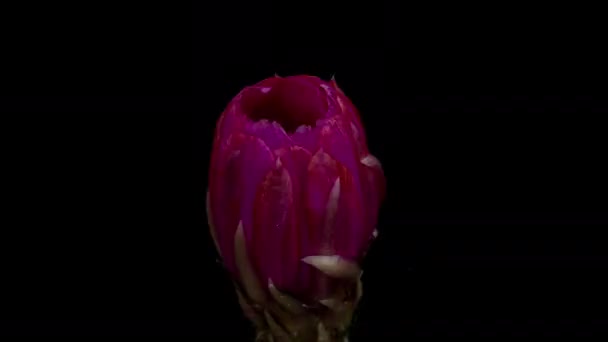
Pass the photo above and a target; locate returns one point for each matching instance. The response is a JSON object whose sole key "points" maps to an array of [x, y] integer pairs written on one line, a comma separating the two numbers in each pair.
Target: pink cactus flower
{"points": [[294, 193]]}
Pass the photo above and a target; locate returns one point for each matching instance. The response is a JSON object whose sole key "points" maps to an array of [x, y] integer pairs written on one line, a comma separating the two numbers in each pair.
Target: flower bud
{"points": [[294, 193]]}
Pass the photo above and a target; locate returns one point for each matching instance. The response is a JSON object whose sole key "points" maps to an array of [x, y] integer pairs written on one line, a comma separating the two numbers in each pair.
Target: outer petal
{"points": [[350, 111], [270, 132], [323, 171], [336, 140], [295, 160], [349, 223], [373, 186], [307, 137], [238, 167], [274, 242], [232, 121], [224, 194], [322, 182], [358, 139], [256, 160]]}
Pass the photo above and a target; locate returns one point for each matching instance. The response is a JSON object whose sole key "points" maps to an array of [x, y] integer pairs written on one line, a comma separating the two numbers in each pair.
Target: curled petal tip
{"points": [[371, 161], [334, 266], [329, 302]]}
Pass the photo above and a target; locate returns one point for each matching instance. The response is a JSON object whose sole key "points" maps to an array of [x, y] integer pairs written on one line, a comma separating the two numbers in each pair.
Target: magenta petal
{"points": [[255, 162], [345, 234], [349, 222], [307, 137], [351, 115], [274, 242], [270, 132], [323, 171], [336, 140], [333, 233], [231, 122], [224, 194], [373, 185], [295, 160], [358, 140]]}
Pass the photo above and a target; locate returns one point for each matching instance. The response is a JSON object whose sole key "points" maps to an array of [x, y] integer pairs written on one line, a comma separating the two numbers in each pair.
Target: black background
{"points": [[488, 122]]}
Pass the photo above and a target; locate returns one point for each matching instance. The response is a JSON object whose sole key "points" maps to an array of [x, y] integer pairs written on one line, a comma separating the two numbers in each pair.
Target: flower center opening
{"points": [[290, 101]]}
